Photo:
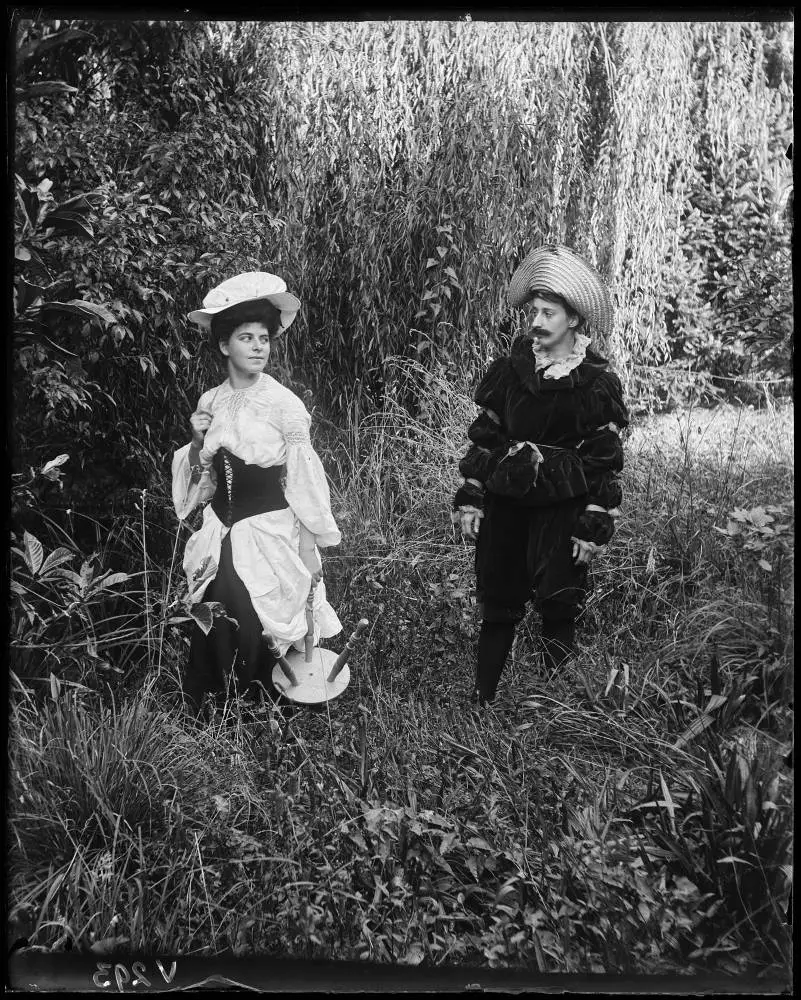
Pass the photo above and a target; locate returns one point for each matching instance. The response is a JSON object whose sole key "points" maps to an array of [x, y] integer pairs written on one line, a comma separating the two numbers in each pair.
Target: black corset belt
{"points": [[245, 490]]}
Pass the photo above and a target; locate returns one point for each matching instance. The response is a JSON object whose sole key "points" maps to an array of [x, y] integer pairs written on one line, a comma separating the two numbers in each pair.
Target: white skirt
{"points": [[264, 549]]}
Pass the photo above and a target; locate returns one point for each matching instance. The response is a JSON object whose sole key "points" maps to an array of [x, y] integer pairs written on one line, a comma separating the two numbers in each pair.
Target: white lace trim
{"points": [[235, 400], [559, 367], [297, 435]]}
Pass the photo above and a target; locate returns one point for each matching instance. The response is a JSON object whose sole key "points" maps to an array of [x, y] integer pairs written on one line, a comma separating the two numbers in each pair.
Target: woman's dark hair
{"points": [[543, 293], [224, 323]]}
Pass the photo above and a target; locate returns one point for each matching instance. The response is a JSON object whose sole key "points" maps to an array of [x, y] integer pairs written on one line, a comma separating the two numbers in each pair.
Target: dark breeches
{"points": [[525, 553], [228, 654]]}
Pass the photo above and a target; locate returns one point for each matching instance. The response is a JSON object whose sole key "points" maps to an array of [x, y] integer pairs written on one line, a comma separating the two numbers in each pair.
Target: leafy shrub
{"points": [[728, 285], [63, 616], [730, 832]]}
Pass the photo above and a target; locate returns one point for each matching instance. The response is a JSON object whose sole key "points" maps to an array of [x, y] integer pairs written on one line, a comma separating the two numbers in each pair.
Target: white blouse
{"points": [[265, 425]]}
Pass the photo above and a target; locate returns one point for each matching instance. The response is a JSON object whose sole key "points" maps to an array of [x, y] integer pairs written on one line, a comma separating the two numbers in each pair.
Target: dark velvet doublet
{"points": [[532, 508], [567, 418]]}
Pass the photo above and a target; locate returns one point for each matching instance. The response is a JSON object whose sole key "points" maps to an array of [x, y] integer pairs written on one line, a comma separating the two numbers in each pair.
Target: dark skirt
{"points": [[229, 659], [524, 554]]}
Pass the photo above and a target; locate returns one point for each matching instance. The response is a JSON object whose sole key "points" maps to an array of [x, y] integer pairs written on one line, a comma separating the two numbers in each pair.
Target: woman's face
{"points": [[248, 348], [550, 324]]}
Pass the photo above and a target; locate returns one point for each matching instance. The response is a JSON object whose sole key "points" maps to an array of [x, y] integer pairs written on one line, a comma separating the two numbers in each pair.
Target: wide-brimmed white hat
{"points": [[556, 268], [247, 287]]}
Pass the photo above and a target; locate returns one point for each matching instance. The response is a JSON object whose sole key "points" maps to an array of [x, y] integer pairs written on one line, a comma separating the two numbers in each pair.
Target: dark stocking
{"points": [[494, 642], [558, 638]]}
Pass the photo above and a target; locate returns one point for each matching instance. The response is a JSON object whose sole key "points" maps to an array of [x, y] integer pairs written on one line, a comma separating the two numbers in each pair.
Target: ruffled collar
{"points": [[559, 367], [523, 362]]}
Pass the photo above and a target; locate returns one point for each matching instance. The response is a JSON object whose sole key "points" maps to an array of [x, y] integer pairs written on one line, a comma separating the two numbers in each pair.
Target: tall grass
{"points": [[686, 638], [629, 813]]}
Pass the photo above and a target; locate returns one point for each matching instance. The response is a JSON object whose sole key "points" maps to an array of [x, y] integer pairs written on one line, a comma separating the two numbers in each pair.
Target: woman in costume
{"points": [[540, 490], [257, 551]]}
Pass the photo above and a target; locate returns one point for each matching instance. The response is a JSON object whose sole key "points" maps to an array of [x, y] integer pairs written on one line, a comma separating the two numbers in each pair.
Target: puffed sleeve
{"points": [[192, 484], [601, 454], [494, 461], [306, 489], [486, 435]]}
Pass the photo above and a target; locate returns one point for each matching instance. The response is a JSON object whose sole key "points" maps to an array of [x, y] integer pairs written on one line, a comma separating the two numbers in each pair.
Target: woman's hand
{"points": [[309, 555], [200, 421], [584, 552], [311, 561]]}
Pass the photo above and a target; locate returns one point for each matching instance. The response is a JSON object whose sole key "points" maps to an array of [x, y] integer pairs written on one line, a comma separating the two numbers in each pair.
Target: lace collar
{"points": [[226, 391], [259, 383], [559, 367]]}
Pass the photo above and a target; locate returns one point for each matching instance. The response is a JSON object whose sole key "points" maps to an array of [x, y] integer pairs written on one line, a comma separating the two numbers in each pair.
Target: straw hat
{"points": [[247, 287], [556, 268]]}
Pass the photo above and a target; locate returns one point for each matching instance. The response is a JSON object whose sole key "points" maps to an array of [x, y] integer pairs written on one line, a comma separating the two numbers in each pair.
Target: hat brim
{"points": [[559, 269], [286, 303]]}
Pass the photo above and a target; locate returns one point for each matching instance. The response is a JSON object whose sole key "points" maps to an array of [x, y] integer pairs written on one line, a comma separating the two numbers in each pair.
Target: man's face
{"points": [[550, 324]]}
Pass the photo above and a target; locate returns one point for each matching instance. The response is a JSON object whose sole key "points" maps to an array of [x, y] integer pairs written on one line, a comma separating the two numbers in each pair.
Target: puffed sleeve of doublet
{"points": [[306, 489], [601, 453], [490, 445], [191, 484]]}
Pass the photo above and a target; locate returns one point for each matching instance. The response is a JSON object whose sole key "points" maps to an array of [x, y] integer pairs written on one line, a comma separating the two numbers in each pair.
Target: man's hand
{"points": [[584, 552], [469, 521]]}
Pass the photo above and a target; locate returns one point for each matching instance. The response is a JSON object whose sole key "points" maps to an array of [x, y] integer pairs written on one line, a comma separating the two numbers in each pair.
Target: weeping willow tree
{"points": [[727, 291], [395, 173], [646, 152], [415, 163]]}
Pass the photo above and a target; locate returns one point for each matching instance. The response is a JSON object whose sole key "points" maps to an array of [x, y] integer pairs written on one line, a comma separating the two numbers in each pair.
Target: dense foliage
{"points": [[394, 173]]}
